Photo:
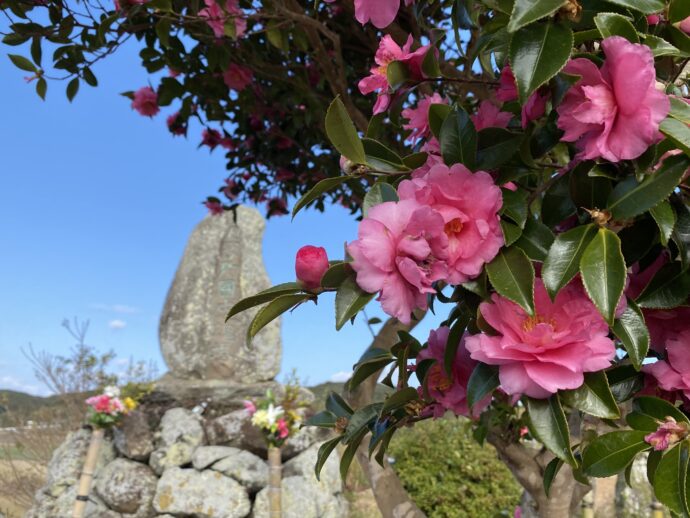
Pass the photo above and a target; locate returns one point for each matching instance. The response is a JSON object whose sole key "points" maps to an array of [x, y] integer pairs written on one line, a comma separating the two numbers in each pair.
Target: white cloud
{"points": [[12, 383], [117, 308], [117, 324], [340, 377]]}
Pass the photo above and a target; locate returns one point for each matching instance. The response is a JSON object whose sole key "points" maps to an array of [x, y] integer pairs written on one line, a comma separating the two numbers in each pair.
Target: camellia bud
{"points": [[668, 434], [310, 265]]}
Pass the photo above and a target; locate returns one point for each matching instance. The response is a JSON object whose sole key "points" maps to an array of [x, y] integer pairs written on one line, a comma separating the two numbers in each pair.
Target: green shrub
{"points": [[449, 475]]}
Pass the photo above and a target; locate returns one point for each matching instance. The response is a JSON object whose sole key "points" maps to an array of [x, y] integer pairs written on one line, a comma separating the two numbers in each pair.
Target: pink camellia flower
{"points": [[669, 433], [401, 250], [211, 138], [231, 189], [238, 77], [100, 403], [146, 101], [653, 19], [490, 116], [613, 112], [175, 126], [215, 207], [549, 351], [534, 108], [276, 207], [388, 52], [381, 13], [469, 204], [449, 392], [283, 430], [311, 263], [673, 374], [216, 17], [684, 25], [419, 117], [249, 406]]}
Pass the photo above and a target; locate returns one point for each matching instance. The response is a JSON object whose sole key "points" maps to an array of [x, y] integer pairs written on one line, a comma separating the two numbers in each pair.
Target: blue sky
{"points": [[96, 207]]}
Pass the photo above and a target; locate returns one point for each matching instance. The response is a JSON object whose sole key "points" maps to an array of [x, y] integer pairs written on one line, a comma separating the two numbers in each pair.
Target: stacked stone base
{"points": [[175, 461]]}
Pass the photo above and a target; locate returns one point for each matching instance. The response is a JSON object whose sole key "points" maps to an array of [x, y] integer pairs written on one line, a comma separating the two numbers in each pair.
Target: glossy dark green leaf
{"points": [[678, 132], [336, 275], [459, 139], [515, 206], [399, 399], [670, 479], [536, 240], [382, 158], [678, 10], [550, 472], [612, 24], [438, 114], [658, 409], [337, 405], [22, 63], [72, 88], [594, 397], [587, 191], [380, 192], [349, 300], [41, 87], [343, 134], [659, 46], [680, 110], [665, 218], [483, 381], [288, 288], [349, 454], [397, 74], [669, 288], [273, 310], [325, 451], [512, 275], [528, 11], [320, 188], [632, 332], [603, 271], [644, 6], [323, 419], [537, 53], [625, 381], [609, 454], [550, 426], [496, 147], [630, 198], [563, 259], [371, 362], [511, 232]]}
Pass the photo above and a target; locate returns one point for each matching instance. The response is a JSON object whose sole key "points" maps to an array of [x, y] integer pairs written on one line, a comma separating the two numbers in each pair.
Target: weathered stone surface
{"points": [[134, 438], [235, 429], [222, 264], [301, 499], [181, 432], [248, 469], [303, 465], [204, 456], [63, 505], [205, 494], [127, 487], [302, 440]]}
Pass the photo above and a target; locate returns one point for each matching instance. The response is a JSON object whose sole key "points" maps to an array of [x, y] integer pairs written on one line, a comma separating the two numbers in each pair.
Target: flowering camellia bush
{"points": [[523, 178], [107, 409]]}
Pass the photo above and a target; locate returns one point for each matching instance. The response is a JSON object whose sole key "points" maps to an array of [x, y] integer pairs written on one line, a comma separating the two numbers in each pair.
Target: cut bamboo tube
{"points": [[274, 481], [87, 473]]}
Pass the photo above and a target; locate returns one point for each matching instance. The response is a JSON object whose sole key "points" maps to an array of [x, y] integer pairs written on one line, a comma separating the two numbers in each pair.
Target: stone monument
{"points": [[222, 264]]}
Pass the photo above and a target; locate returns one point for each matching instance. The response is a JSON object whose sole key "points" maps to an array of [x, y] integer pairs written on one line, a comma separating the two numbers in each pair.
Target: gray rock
{"points": [[222, 264], [133, 438], [204, 456], [181, 432], [330, 483], [205, 494], [300, 498], [63, 505], [127, 487], [235, 429], [302, 440], [248, 469]]}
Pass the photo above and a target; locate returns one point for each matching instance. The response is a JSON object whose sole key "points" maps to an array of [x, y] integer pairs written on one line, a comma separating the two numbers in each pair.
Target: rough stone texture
{"points": [[301, 499], [248, 469], [133, 438], [204, 456], [127, 487], [181, 432], [205, 494], [303, 465], [222, 264]]}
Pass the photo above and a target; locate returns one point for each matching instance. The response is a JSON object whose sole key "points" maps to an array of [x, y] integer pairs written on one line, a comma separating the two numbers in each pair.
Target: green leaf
{"points": [[380, 192], [643, 6], [22, 63], [438, 114], [528, 11], [511, 232], [512, 275], [496, 147], [668, 288], [336, 275], [459, 139], [670, 479], [89, 77], [536, 240], [163, 31], [397, 74], [72, 88], [515, 206], [323, 419], [586, 191], [632, 331], [349, 454], [609, 454], [336, 404], [678, 10], [41, 87], [625, 381], [550, 426], [36, 51], [287, 288], [15, 39], [381, 158], [594, 397], [371, 362], [659, 46], [677, 132], [658, 409], [399, 399], [665, 218], [483, 381], [680, 110], [320, 188], [349, 300], [563, 260], [629, 198], [273, 310], [612, 24], [322, 456], [550, 472], [603, 271], [537, 53], [342, 133]]}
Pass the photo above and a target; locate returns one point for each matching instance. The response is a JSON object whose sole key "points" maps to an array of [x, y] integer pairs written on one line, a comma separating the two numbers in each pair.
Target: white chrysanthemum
{"points": [[112, 391]]}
